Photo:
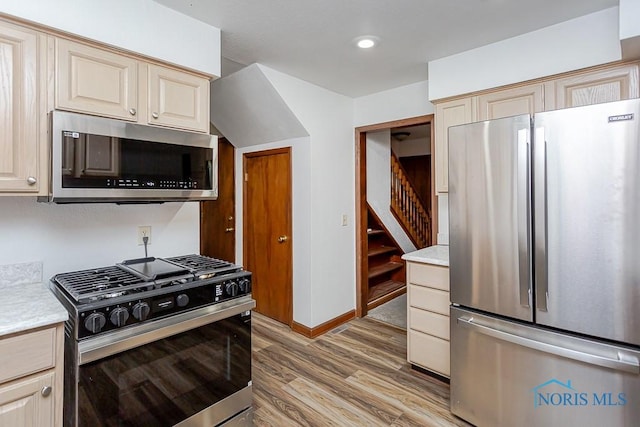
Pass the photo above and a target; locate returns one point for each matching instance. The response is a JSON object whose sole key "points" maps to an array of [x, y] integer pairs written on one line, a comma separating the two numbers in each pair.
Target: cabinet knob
{"points": [[46, 391], [132, 111], [155, 115], [31, 180]]}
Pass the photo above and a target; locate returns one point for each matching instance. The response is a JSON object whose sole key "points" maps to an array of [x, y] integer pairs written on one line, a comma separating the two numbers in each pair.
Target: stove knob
{"points": [[119, 316], [141, 311], [95, 322], [231, 288], [182, 300], [245, 285]]}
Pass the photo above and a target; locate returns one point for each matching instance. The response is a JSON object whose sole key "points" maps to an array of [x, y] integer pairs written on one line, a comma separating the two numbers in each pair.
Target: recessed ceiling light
{"points": [[366, 42]]}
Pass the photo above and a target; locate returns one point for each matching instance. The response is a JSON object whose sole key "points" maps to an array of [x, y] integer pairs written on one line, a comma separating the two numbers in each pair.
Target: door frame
{"points": [[362, 264], [283, 150]]}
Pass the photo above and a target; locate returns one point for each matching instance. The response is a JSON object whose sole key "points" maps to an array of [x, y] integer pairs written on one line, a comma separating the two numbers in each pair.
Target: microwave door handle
{"points": [[540, 215], [523, 215]]}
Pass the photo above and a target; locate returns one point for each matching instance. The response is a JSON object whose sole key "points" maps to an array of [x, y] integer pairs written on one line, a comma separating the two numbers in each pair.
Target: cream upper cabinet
{"points": [[450, 113], [178, 99], [94, 81], [109, 84], [20, 59], [594, 87], [511, 102]]}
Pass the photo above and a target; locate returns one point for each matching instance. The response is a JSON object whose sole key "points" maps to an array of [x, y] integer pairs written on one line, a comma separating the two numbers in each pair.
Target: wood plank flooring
{"points": [[354, 375]]}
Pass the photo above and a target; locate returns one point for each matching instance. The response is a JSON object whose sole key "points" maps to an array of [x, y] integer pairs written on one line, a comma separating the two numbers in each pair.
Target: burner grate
{"points": [[200, 265], [98, 283]]}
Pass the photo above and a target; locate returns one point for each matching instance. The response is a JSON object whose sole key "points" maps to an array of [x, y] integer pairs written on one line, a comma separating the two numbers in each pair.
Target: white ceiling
{"points": [[312, 40]]}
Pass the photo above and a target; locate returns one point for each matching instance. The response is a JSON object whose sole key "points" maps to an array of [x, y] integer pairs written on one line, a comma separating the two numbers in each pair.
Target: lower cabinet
{"points": [[31, 378], [28, 402], [428, 317]]}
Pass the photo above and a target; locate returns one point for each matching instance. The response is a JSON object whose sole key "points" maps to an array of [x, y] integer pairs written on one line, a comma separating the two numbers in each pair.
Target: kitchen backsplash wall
{"points": [[80, 236], [18, 274]]}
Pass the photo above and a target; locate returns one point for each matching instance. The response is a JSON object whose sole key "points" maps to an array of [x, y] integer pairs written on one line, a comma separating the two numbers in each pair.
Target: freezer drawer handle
{"points": [[624, 362]]}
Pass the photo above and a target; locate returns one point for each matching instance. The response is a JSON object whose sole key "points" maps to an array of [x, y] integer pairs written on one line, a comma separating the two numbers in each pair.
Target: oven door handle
{"points": [[97, 348]]}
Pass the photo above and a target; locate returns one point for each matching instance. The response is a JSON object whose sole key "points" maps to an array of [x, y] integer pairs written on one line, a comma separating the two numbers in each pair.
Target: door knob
{"points": [[228, 229], [282, 239]]}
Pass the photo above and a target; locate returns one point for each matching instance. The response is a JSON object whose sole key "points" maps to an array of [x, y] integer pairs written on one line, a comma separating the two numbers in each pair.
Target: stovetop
{"points": [[103, 300], [138, 276]]}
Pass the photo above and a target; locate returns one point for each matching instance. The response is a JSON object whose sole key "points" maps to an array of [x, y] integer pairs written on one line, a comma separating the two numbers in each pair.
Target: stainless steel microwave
{"points": [[95, 159]]}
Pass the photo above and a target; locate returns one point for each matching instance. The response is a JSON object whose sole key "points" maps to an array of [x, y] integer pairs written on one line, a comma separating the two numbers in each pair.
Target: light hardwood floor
{"points": [[354, 375]]}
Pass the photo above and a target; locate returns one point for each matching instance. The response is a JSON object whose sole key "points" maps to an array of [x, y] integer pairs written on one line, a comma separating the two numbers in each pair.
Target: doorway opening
{"points": [[380, 273]]}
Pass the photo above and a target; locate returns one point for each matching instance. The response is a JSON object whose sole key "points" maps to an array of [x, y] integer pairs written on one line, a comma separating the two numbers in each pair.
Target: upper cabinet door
{"points": [[19, 137], [95, 81], [511, 102], [451, 113], [614, 84], [177, 99]]}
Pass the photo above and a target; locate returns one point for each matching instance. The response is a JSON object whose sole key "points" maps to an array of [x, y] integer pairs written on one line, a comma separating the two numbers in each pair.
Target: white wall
{"points": [[142, 26], [630, 28], [577, 43], [328, 117], [301, 206], [394, 104], [81, 236], [379, 185], [412, 147]]}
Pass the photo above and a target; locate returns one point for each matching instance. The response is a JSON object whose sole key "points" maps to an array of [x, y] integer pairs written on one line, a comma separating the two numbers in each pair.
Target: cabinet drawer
{"points": [[433, 276], [27, 353], [429, 322], [429, 352], [429, 299]]}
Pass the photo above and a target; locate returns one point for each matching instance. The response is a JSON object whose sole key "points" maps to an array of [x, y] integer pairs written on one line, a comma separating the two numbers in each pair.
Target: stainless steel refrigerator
{"points": [[544, 235]]}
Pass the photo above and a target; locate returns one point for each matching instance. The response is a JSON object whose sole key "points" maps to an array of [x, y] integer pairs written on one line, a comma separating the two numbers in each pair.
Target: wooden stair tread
{"points": [[384, 268], [381, 250], [384, 292], [373, 232]]}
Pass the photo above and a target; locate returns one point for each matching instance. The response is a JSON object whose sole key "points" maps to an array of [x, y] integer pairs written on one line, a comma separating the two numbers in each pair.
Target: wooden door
{"points": [[19, 141], [217, 217], [527, 99], [90, 80], [178, 99], [267, 228]]}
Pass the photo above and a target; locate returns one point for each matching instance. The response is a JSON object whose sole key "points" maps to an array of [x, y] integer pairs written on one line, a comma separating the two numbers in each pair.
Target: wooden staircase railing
{"points": [[407, 207]]}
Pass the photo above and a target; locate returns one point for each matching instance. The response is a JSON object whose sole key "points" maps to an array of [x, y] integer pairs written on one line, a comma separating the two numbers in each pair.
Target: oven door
{"points": [[189, 369]]}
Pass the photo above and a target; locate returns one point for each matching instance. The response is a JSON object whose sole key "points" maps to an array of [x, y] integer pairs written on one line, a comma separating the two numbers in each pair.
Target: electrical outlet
{"points": [[144, 231]]}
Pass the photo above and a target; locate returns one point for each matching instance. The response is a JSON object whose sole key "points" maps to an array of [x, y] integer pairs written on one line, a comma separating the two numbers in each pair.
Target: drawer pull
{"points": [[46, 391]]}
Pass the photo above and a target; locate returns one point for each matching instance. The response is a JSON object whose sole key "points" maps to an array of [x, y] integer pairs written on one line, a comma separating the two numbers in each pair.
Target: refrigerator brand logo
{"points": [[620, 117], [557, 393]]}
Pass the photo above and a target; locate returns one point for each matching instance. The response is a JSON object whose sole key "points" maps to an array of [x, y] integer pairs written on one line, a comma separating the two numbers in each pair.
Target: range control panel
{"points": [[160, 303]]}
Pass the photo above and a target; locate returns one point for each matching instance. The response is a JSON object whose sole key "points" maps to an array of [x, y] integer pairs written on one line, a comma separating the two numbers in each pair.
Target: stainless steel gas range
{"points": [[157, 341]]}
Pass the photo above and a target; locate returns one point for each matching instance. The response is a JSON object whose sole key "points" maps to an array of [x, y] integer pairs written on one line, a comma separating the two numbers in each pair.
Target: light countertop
{"points": [[27, 306], [438, 255]]}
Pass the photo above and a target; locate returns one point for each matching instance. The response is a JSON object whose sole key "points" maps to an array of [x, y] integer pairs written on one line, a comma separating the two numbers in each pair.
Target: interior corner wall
{"points": [[139, 26], [328, 117], [578, 43], [301, 206], [379, 185], [394, 104]]}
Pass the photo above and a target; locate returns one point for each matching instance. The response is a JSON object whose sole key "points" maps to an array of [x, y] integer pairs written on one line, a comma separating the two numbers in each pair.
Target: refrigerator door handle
{"points": [[625, 362], [540, 218], [524, 213]]}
